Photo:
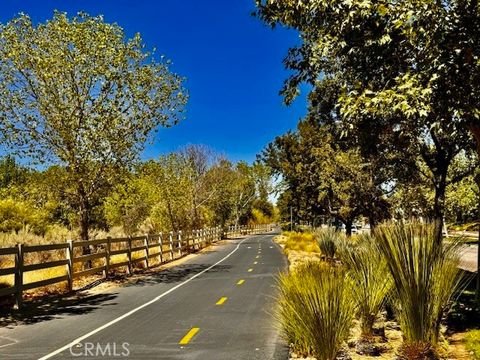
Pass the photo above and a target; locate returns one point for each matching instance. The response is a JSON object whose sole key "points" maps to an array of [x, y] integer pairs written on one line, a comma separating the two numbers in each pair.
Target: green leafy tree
{"points": [[461, 201], [16, 215], [222, 203], [11, 173], [244, 192], [199, 159], [405, 70], [127, 205], [169, 190], [76, 92], [323, 177]]}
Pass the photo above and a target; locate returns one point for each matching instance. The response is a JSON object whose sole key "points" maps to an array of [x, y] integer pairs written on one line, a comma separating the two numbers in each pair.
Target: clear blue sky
{"points": [[232, 62]]}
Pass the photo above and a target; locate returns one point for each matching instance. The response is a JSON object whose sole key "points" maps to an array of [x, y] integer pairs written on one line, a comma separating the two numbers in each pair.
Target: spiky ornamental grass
{"points": [[371, 280], [425, 276], [316, 309], [327, 240]]}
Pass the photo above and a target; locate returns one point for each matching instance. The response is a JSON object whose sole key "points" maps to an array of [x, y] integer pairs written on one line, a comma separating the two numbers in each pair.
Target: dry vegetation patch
{"points": [[299, 247]]}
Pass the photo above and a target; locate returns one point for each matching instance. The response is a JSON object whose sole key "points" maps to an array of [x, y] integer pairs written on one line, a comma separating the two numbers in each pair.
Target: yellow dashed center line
{"points": [[186, 339], [221, 301], [255, 262], [240, 282], [257, 257], [250, 270]]}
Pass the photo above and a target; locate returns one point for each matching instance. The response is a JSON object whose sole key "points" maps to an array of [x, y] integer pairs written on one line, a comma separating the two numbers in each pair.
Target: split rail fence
{"points": [[131, 250]]}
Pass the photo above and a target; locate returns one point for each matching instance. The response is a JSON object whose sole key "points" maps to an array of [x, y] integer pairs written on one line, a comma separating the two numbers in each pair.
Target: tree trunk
{"points": [[439, 204], [348, 227], [237, 220], [196, 218], [84, 224], [171, 216], [373, 224], [477, 292]]}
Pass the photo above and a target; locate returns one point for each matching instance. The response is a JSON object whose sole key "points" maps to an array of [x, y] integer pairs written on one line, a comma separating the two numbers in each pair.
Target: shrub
{"points": [[316, 309], [16, 215], [371, 282], [425, 276]]}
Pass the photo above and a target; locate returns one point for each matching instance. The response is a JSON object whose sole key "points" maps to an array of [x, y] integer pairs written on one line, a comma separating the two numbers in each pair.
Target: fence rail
{"points": [[101, 259]]}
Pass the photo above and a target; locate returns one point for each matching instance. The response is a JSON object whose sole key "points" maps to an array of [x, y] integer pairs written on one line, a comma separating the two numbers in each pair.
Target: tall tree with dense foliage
{"points": [[410, 68], [326, 178], [77, 92], [419, 58]]}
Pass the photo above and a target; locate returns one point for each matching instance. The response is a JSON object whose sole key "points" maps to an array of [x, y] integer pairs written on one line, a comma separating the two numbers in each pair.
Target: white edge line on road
{"points": [[13, 341], [133, 311]]}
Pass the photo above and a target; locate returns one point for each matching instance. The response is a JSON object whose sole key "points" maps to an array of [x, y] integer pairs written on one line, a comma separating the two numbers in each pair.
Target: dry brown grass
{"points": [[297, 256], [296, 241], [56, 234]]}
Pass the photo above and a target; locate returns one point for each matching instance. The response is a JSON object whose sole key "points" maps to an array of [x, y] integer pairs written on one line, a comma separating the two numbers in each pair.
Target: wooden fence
{"points": [[133, 250]]}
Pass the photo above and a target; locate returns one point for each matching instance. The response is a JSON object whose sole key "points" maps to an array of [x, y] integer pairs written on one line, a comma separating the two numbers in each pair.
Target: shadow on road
{"points": [[52, 307], [55, 306], [176, 274]]}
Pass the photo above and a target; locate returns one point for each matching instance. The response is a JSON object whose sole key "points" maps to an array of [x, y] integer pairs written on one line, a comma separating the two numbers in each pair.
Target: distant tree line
{"points": [[185, 190]]}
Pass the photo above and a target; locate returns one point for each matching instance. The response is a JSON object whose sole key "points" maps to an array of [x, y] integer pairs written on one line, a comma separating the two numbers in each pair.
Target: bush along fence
{"points": [[106, 255]]}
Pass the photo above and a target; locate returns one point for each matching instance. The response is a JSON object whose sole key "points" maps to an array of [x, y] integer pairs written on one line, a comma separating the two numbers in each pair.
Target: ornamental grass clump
{"points": [[367, 269], [425, 276], [315, 309], [327, 240]]}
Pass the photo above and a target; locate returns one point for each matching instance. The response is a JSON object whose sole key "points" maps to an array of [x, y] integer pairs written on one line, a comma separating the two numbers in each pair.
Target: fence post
{"points": [[129, 255], [179, 239], [19, 276], [107, 256], [69, 256], [147, 253], [160, 245], [170, 241], [189, 241]]}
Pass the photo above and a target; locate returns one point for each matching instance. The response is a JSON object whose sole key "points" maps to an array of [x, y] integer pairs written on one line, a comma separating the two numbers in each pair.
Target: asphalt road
{"points": [[468, 257], [200, 309]]}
